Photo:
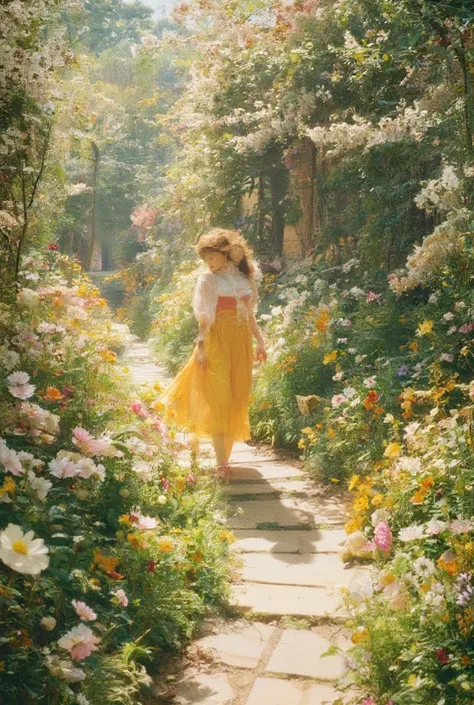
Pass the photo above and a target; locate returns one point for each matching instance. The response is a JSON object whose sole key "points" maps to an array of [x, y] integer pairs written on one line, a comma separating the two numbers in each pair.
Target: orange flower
{"points": [[419, 496], [108, 356], [322, 321], [448, 563], [105, 562], [359, 636], [53, 394]]}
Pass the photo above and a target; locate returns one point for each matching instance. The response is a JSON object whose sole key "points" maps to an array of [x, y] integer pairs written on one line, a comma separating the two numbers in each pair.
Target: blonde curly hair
{"points": [[232, 244]]}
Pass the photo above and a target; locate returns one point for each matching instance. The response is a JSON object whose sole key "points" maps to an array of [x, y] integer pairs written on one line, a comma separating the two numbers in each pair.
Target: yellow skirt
{"points": [[215, 401]]}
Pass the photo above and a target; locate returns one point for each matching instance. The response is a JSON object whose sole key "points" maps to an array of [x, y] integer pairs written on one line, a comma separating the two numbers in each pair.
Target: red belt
{"points": [[229, 302]]}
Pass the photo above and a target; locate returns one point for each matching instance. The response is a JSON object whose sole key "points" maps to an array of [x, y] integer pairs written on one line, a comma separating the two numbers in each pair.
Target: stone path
{"points": [[288, 532]]}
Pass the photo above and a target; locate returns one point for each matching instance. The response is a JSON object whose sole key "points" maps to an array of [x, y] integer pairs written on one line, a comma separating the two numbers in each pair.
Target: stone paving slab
{"points": [[307, 569], [299, 653], [280, 600], [287, 511], [240, 645], [278, 541], [276, 512], [252, 471], [275, 691], [205, 689], [301, 488]]}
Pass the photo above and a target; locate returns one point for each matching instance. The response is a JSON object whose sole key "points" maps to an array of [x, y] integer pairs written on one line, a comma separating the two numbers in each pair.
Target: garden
{"points": [[348, 126]]}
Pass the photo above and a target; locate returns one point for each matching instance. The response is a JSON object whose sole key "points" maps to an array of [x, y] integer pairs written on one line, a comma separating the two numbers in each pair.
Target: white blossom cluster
{"points": [[411, 123], [428, 258]]}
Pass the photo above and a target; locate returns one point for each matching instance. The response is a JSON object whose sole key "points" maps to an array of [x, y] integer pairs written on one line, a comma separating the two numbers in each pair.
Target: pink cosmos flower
{"points": [[147, 523], [158, 425], [383, 536], [138, 409], [80, 436], [143, 522], [80, 641], [466, 328], [121, 597], [83, 611], [369, 701], [338, 400], [371, 296]]}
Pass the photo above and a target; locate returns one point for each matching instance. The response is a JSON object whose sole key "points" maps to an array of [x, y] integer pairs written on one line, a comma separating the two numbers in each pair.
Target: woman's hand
{"points": [[201, 358], [260, 352]]}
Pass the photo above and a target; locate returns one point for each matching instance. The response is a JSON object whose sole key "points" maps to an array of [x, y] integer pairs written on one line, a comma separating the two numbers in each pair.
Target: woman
{"points": [[210, 396]]}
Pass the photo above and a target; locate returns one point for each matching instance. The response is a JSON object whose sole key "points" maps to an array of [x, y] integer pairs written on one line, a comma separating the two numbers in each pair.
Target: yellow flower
{"points": [[136, 541], [125, 519], [393, 450], [353, 482], [165, 544], [353, 525], [359, 636], [377, 500], [387, 579], [361, 504], [227, 536], [425, 328], [8, 486], [330, 357]]}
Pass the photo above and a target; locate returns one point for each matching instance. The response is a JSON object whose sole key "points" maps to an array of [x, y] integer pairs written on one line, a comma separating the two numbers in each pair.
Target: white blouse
{"points": [[230, 282]]}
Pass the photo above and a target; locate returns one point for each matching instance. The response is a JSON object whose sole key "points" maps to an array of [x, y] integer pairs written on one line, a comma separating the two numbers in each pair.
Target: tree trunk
{"points": [[279, 179], [92, 218]]}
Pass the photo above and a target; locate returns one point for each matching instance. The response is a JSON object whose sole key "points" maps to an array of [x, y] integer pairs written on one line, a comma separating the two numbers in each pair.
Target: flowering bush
{"points": [[110, 550]]}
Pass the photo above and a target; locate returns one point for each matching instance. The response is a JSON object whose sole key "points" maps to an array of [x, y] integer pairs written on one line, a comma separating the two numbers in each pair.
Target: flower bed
{"points": [[373, 381], [110, 550]]}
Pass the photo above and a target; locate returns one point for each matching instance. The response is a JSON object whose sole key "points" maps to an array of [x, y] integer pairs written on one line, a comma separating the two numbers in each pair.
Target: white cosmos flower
{"points": [[18, 378], [380, 515], [87, 469], [22, 391], [410, 465], [63, 467], [82, 700], [70, 673], [21, 552], [10, 459], [39, 484], [435, 526], [143, 470], [461, 526], [424, 566], [411, 533]]}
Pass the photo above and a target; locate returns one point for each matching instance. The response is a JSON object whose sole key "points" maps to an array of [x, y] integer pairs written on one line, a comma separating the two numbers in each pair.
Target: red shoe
{"points": [[224, 472]]}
